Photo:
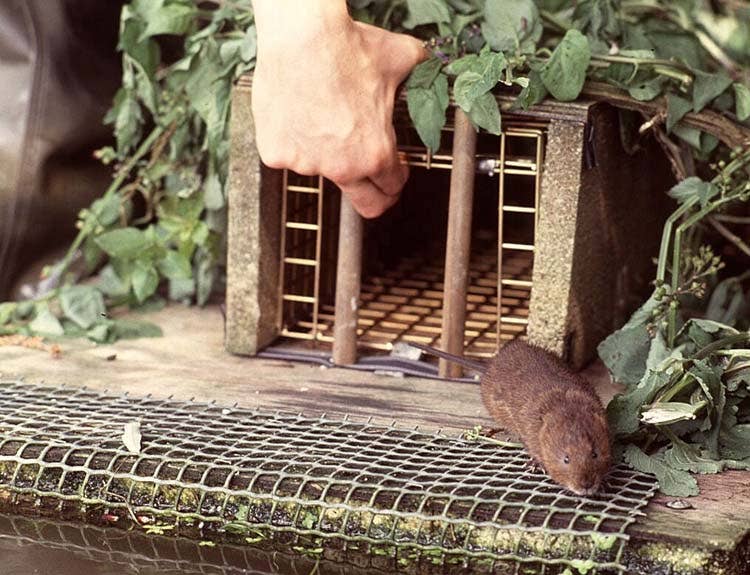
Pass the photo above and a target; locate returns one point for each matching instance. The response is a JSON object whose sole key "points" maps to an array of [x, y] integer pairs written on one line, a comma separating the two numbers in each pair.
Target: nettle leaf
{"points": [[742, 101], [175, 19], [565, 72], [111, 284], [533, 93], [174, 266], [427, 108], [426, 12], [511, 26], [691, 135], [6, 312], [145, 280], [83, 305], [693, 187], [424, 74], [485, 113], [647, 90], [668, 412], [674, 482], [477, 80], [706, 87], [124, 242], [46, 323], [213, 192], [676, 109], [128, 122]]}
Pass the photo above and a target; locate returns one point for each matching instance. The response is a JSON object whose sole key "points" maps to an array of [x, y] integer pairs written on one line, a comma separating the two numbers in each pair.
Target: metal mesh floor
{"points": [[405, 304], [339, 485]]}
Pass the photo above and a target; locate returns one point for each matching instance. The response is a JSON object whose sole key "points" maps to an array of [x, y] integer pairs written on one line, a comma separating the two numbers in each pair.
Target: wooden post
{"points": [[348, 272], [458, 247]]}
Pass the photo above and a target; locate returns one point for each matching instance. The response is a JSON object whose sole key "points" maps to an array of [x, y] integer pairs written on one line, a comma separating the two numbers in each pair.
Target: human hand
{"points": [[323, 96]]}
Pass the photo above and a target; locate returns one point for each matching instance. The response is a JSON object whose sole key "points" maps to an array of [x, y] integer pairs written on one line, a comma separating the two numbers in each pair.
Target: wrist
{"points": [[281, 22]]}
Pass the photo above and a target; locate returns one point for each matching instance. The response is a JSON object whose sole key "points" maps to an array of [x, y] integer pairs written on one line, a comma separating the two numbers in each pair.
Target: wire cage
{"points": [[550, 203], [402, 300], [357, 491]]}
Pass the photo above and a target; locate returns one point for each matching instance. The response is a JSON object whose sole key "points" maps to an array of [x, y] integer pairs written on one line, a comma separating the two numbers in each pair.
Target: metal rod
{"points": [[348, 277], [500, 214], [318, 246], [458, 242], [282, 250]]}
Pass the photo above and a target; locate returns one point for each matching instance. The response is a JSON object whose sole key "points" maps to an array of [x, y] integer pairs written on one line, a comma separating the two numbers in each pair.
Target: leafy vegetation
{"points": [[684, 354]]}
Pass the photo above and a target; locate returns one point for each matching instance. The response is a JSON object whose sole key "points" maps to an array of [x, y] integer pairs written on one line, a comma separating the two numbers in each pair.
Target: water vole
{"points": [[555, 413]]}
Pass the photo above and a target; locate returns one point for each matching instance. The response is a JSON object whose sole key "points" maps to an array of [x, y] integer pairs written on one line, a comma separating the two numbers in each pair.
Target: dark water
{"points": [[40, 547]]}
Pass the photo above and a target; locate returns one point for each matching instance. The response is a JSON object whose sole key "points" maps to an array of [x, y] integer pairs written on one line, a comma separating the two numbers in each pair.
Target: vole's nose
{"points": [[587, 483]]}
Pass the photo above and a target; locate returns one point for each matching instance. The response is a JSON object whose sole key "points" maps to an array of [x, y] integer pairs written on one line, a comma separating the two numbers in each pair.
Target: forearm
{"points": [[285, 20]]}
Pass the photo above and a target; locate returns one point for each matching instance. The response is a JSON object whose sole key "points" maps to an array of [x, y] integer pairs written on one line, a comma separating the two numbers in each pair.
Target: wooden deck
{"points": [[190, 362]]}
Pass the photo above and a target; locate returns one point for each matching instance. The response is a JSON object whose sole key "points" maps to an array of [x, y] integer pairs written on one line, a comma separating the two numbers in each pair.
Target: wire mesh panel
{"points": [[343, 486]]}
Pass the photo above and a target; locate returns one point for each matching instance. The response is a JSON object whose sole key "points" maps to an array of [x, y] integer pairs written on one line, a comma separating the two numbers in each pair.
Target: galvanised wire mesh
{"points": [[323, 484]]}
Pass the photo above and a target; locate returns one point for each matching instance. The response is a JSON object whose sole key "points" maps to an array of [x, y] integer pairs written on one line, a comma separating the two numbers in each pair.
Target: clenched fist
{"points": [[323, 97]]}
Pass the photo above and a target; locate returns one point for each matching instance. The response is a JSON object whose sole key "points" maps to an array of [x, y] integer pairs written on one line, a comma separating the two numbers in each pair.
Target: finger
{"points": [[367, 198], [399, 52], [392, 177]]}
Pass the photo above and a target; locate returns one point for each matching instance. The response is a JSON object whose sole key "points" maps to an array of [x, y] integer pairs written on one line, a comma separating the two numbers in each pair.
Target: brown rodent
{"points": [[531, 393]]}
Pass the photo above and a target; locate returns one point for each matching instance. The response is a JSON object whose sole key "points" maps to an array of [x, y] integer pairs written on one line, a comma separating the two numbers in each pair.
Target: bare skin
{"points": [[323, 96]]}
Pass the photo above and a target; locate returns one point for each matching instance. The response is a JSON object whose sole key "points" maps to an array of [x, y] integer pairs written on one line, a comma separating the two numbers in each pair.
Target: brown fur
{"points": [[554, 411]]}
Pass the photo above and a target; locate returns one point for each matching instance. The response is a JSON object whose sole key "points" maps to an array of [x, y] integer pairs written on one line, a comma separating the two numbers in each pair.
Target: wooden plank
{"points": [[189, 361]]}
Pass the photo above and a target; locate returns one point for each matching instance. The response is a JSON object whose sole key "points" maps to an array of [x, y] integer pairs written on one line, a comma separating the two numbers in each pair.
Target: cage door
{"points": [[301, 238]]}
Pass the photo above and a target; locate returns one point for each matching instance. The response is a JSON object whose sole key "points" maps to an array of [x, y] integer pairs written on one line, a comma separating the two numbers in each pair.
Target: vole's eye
{"points": [[594, 455], [566, 460]]}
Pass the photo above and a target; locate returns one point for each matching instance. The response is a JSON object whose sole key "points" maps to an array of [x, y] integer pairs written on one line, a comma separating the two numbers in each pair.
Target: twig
{"points": [[724, 231]]}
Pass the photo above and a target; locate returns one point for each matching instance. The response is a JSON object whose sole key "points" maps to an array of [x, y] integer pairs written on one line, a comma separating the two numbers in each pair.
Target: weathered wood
{"points": [[458, 244], [348, 280], [189, 361]]}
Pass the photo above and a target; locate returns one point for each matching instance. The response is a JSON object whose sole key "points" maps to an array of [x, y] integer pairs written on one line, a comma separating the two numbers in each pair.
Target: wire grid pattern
{"points": [[355, 482], [406, 303], [139, 551]]}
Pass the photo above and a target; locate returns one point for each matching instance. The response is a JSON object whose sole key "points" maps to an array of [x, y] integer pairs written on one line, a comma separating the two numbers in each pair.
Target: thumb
{"points": [[398, 53]]}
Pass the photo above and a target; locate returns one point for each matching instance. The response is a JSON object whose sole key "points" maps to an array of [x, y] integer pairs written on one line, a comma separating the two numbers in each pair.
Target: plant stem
{"points": [[114, 188]]}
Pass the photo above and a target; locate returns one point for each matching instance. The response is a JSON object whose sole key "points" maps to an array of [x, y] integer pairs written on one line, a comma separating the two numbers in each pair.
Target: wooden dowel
{"points": [[348, 272], [458, 247]]}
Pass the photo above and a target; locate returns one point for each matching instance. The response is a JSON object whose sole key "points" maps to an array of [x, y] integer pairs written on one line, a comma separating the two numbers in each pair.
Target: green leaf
{"points": [[676, 109], [706, 87], [424, 74], [511, 26], [647, 90], [111, 284], [485, 113], [132, 329], [6, 312], [693, 187], [100, 333], [427, 108], [84, 305], [691, 135], [127, 123], [175, 19], [533, 93], [565, 72], [686, 457], [742, 101], [624, 409], [45, 323], [664, 413], [181, 289], [735, 444], [483, 75], [124, 243], [213, 192], [426, 12], [174, 265], [145, 280], [672, 481]]}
